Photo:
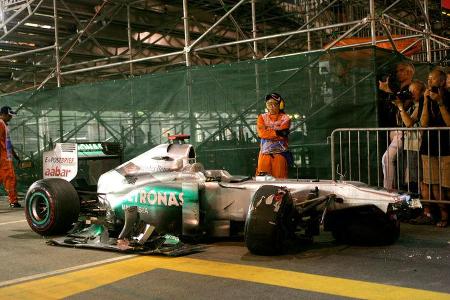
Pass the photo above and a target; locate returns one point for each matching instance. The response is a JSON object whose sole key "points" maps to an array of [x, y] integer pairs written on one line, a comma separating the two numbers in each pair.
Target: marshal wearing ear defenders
{"points": [[277, 97], [273, 129]]}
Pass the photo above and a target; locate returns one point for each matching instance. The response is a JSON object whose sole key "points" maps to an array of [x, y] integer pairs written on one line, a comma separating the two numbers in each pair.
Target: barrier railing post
{"points": [[408, 172]]}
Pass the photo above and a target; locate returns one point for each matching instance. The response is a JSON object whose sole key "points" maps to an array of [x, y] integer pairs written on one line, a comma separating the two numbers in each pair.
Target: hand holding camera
{"points": [[434, 89], [399, 104], [404, 95], [433, 94]]}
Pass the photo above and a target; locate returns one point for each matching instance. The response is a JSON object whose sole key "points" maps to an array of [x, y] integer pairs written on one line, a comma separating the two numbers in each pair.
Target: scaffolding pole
{"points": [[189, 47], [130, 49], [58, 66], [186, 33], [427, 31], [254, 30], [373, 33]]}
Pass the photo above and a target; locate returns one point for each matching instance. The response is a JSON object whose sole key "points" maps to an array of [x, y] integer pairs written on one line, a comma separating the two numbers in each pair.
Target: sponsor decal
{"points": [[90, 150], [128, 168], [130, 179], [90, 147], [131, 169], [155, 197], [141, 210], [149, 199], [61, 162], [159, 169], [57, 172]]}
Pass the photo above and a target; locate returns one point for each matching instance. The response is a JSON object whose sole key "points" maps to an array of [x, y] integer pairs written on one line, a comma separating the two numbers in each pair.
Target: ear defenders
{"points": [[277, 97]]}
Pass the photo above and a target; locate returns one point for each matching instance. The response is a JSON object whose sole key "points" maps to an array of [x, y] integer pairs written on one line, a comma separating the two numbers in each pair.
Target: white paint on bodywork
{"points": [[61, 162]]}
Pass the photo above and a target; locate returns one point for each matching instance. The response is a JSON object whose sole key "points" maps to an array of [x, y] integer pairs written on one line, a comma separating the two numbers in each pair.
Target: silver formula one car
{"points": [[164, 200]]}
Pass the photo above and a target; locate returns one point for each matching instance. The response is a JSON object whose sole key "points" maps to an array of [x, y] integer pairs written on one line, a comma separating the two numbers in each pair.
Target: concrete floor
{"points": [[420, 260]]}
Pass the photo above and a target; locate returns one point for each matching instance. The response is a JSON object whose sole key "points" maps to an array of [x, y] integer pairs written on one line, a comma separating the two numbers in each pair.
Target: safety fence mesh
{"points": [[217, 105]]}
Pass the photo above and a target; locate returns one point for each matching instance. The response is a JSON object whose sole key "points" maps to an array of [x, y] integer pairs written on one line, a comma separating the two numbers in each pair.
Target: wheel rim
{"points": [[39, 208]]}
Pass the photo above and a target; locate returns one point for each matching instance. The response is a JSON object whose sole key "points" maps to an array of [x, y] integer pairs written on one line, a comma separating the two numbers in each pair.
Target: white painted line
{"points": [[12, 222], [51, 273]]}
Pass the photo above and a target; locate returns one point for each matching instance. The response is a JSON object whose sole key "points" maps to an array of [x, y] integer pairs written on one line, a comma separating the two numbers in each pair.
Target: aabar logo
{"points": [[56, 171]]}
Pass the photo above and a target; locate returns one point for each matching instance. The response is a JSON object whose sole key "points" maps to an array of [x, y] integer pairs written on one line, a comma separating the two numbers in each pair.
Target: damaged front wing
{"points": [[131, 240]]}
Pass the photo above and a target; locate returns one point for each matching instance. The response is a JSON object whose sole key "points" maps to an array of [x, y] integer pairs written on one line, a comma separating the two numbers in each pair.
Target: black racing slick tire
{"points": [[51, 206], [268, 221]]}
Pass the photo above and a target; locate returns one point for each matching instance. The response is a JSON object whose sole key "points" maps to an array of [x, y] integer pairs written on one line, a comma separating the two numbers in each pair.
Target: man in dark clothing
{"points": [[435, 148], [409, 111], [389, 117]]}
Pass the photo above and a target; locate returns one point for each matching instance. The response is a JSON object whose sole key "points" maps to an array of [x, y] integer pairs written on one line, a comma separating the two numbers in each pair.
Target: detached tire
{"points": [[51, 206], [269, 220]]}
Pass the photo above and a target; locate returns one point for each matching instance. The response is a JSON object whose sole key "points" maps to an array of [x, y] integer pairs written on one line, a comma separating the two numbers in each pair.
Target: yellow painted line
{"points": [[61, 271], [72, 283]]}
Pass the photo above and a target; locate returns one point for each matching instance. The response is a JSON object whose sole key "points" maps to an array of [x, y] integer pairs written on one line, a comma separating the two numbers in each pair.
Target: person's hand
{"points": [[426, 94], [399, 103], [282, 133], [435, 96], [384, 85]]}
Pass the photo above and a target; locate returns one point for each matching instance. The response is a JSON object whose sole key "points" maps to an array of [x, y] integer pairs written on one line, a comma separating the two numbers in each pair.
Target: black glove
{"points": [[282, 133]]}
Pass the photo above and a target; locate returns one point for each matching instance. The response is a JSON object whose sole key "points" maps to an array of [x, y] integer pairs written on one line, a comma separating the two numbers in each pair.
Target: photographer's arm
{"points": [[445, 114], [415, 114], [406, 118], [424, 118], [384, 86], [442, 107]]}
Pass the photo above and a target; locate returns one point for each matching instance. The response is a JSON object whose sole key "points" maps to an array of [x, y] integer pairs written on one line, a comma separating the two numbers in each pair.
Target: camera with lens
{"points": [[435, 89], [404, 95]]}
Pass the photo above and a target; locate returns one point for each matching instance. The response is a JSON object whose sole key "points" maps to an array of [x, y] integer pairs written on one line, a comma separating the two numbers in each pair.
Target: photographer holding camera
{"points": [[410, 106], [435, 148], [397, 89]]}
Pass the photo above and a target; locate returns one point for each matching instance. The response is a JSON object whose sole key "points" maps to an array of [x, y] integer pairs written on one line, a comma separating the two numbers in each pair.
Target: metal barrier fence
{"points": [[361, 154]]}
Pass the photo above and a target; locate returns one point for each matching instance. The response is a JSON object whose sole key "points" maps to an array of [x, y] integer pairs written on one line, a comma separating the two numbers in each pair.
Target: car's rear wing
{"points": [[81, 161]]}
